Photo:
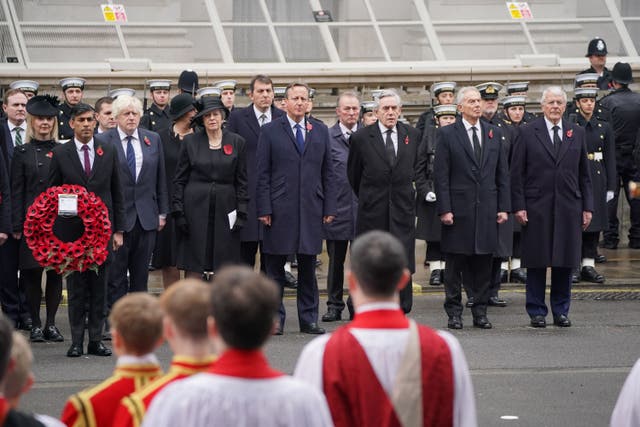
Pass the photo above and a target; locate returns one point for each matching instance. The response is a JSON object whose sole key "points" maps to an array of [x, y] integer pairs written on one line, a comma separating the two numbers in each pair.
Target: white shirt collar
{"points": [[80, 144], [293, 123], [468, 126], [146, 359], [123, 135], [22, 126], [384, 129], [258, 113], [384, 305], [550, 126], [345, 130]]}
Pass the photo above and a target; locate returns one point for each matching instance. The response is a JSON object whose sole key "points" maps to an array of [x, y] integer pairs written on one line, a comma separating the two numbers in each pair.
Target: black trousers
{"points": [[32, 279], [307, 298], [494, 286], [133, 257], [434, 253], [248, 252], [476, 270], [560, 296], [516, 251], [590, 244], [626, 173], [87, 287], [12, 292], [337, 250]]}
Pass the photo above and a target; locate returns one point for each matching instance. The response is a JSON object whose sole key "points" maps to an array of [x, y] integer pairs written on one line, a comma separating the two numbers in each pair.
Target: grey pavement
{"points": [[550, 377]]}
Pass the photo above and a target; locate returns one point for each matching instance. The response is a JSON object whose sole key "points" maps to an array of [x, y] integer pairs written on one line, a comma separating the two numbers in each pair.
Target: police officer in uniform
{"points": [[429, 227], [624, 105], [227, 92], [73, 90], [597, 54], [602, 163], [188, 82], [29, 87], [444, 94], [157, 117]]}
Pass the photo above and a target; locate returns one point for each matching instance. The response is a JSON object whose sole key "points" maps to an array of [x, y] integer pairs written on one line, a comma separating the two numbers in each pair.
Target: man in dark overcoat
{"points": [[295, 195], [552, 198], [472, 195], [382, 166]]}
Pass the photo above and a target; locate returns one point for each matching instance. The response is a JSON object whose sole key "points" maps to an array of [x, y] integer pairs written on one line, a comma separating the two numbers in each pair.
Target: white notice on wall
{"points": [[519, 10]]}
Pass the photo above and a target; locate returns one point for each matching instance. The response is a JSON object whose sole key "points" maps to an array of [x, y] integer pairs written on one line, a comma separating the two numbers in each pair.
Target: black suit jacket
{"points": [[243, 121], [386, 195], [473, 191], [104, 180], [6, 143]]}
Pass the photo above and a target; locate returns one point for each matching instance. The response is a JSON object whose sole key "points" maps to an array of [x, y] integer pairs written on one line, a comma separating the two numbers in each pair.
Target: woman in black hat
{"points": [[181, 110], [210, 193], [29, 175]]}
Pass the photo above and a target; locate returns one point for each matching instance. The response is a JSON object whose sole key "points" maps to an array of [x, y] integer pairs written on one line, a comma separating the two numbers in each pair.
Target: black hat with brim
{"points": [[43, 106], [180, 105], [621, 73], [208, 104]]}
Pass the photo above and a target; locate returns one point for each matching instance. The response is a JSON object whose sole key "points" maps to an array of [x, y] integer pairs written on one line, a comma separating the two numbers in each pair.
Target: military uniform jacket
{"points": [[96, 406], [428, 227], [64, 128], [29, 178], [474, 192], [133, 407], [386, 195], [156, 119], [601, 153], [554, 190]]}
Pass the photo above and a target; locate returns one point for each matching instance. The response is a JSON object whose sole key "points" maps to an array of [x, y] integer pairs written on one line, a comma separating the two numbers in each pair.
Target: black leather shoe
{"points": [[98, 349], [470, 302], [504, 276], [589, 274], [36, 335], [600, 259], [455, 322], [435, 278], [562, 321], [290, 281], [51, 333], [482, 322], [518, 275], [311, 328], [538, 322], [332, 315], [575, 276], [75, 350], [497, 302], [608, 244]]}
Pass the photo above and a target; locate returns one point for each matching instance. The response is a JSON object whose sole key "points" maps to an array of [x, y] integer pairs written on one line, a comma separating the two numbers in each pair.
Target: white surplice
{"points": [[627, 410]]}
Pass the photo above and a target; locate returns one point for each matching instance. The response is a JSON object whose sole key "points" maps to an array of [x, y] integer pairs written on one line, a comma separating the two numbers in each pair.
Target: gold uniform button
{"points": [[590, 156]]}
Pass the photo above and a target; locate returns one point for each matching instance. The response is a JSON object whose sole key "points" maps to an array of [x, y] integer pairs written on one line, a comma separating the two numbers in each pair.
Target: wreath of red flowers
{"points": [[86, 253]]}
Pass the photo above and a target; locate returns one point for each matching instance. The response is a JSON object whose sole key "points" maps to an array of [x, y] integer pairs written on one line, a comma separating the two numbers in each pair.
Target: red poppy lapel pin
{"points": [[99, 151], [309, 127], [147, 141], [406, 140], [570, 133], [490, 133], [228, 149], [49, 154]]}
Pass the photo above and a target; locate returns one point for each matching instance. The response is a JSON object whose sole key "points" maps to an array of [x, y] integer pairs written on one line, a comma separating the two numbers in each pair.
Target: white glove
{"points": [[609, 196], [430, 197]]}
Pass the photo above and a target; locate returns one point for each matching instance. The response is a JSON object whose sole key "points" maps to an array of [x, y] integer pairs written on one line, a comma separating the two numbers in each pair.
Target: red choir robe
{"points": [[96, 406], [354, 393], [132, 408]]}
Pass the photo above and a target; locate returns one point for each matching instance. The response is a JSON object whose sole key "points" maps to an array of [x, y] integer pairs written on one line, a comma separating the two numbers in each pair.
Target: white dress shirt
{"points": [[293, 127], [92, 152], [259, 113], [394, 135], [550, 128], [347, 132], [468, 127], [23, 132], [137, 149]]}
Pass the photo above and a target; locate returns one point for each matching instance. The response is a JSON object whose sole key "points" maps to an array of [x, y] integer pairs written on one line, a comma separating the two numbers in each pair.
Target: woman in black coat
{"points": [[210, 194], [182, 110], [29, 173]]}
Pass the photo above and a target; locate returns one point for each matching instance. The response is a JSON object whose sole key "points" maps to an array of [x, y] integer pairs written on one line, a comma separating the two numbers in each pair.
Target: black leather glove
{"points": [[241, 220], [182, 225]]}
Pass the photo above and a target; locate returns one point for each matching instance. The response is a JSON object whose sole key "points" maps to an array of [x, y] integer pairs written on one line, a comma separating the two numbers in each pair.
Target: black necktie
{"points": [[476, 144], [391, 152], [557, 141]]}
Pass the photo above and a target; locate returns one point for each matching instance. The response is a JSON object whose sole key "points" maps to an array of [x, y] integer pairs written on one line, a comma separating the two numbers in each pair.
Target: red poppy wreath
{"points": [[87, 252]]}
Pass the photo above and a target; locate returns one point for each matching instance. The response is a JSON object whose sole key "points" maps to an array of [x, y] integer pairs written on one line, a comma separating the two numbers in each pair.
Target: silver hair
{"points": [[553, 90], [463, 92], [347, 94], [390, 92], [123, 102]]}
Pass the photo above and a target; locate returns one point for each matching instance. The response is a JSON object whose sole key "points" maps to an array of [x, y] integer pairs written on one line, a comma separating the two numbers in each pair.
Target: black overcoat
{"points": [[554, 190]]}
